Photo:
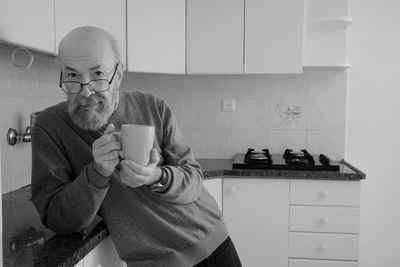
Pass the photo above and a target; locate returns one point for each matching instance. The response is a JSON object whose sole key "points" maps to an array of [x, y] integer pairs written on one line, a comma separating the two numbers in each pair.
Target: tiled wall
{"points": [[23, 91], [276, 111]]}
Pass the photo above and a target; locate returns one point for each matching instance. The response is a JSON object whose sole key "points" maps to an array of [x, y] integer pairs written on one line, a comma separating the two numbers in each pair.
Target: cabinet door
{"points": [[214, 187], [156, 36], [215, 36], [256, 212], [274, 36], [28, 23], [103, 255], [108, 15]]}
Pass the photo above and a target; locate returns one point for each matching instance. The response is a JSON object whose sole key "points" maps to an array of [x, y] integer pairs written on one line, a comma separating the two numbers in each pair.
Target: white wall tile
{"points": [[330, 143], [287, 86], [242, 139], [184, 112], [21, 165], [6, 171], [213, 143], [279, 140], [208, 114], [286, 114], [327, 84], [250, 114], [206, 86], [189, 137], [250, 86], [326, 114]]}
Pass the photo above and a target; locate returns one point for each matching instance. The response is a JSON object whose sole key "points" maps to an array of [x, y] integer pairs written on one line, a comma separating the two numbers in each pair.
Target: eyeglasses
{"points": [[97, 85]]}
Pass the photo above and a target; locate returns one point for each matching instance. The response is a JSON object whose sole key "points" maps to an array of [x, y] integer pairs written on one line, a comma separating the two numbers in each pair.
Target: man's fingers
{"points": [[112, 146], [154, 157], [110, 128], [130, 164]]}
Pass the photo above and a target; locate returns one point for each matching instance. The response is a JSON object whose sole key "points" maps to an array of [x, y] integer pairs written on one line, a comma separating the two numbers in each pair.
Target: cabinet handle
{"points": [[325, 193], [325, 220], [323, 247]]}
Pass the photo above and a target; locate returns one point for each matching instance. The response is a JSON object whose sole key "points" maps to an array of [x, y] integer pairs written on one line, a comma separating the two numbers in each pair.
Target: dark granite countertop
{"points": [[26, 242], [223, 168]]}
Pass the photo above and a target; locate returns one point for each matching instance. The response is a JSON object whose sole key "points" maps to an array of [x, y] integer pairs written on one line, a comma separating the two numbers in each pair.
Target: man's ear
{"points": [[120, 73]]}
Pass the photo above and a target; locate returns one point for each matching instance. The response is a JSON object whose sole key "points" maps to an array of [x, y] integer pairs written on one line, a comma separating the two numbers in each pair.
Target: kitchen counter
{"points": [[223, 168], [26, 242]]}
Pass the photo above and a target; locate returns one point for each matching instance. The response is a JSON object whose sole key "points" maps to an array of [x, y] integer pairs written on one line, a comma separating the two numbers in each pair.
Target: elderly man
{"points": [[78, 171]]}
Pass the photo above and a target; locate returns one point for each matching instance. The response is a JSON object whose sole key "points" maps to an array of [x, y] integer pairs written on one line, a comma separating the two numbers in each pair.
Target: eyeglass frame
{"points": [[83, 84]]}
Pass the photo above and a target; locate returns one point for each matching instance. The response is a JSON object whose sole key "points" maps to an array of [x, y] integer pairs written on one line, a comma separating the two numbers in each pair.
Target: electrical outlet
{"points": [[228, 105]]}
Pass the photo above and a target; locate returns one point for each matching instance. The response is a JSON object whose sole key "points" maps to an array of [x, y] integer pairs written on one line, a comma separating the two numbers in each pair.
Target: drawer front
{"points": [[319, 192], [324, 219], [323, 246], [319, 263]]}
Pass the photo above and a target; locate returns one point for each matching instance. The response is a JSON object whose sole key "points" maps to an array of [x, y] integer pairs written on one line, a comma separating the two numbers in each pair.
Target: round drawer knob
{"points": [[323, 247], [325, 193], [325, 220]]}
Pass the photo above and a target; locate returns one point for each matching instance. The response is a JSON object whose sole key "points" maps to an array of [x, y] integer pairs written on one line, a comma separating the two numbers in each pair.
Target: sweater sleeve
{"points": [[184, 172], [65, 203]]}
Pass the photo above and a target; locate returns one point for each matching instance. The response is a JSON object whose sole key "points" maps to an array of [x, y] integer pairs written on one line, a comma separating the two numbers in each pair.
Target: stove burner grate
{"points": [[258, 157]]}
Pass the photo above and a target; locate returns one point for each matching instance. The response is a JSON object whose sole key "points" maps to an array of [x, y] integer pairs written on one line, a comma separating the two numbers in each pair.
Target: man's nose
{"points": [[86, 90]]}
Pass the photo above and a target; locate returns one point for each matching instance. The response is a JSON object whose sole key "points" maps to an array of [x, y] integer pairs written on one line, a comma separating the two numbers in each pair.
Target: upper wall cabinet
{"points": [[221, 36], [109, 15], [215, 36], [28, 23], [156, 36], [274, 36]]}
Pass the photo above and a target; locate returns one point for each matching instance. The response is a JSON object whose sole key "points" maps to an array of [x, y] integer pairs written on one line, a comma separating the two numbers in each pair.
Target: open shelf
{"points": [[340, 66], [330, 22]]}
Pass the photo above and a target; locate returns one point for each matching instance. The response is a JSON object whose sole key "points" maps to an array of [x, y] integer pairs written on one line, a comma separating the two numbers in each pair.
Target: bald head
{"points": [[88, 44]]}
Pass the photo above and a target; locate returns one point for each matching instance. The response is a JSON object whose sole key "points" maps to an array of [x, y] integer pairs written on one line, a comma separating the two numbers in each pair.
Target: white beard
{"points": [[96, 115]]}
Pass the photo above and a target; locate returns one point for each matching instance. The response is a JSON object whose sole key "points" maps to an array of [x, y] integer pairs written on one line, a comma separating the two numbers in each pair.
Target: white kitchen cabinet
{"points": [[108, 15], [208, 37], [214, 187], [273, 33], [28, 23], [215, 36], [104, 255], [257, 217], [156, 34], [324, 223]]}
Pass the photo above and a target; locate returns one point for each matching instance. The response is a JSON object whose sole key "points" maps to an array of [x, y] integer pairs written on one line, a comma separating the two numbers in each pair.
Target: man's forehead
{"points": [[86, 46], [77, 69]]}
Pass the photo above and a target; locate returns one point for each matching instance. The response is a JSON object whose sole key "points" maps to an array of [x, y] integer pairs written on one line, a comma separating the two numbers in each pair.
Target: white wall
{"points": [[373, 125]]}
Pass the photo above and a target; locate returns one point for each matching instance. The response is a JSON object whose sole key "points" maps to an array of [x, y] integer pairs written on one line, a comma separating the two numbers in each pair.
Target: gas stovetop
{"points": [[289, 160]]}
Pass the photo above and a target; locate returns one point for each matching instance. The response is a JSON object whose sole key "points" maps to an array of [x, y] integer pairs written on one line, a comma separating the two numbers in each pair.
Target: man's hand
{"points": [[135, 175], [106, 151]]}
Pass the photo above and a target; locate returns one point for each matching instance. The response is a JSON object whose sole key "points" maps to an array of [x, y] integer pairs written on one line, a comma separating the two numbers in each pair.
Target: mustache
{"points": [[92, 100]]}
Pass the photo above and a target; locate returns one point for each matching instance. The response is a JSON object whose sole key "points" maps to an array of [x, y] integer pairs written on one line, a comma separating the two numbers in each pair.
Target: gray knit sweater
{"points": [[179, 227]]}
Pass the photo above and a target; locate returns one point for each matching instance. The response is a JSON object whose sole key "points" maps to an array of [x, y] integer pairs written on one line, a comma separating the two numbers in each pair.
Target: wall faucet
{"points": [[13, 136]]}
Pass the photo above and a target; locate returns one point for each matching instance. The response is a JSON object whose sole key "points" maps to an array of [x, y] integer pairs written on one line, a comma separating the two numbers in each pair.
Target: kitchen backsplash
{"points": [[275, 111]]}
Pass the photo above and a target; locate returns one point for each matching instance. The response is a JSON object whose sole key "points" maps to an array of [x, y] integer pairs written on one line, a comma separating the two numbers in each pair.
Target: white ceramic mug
{"points": [[137, 142]]}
